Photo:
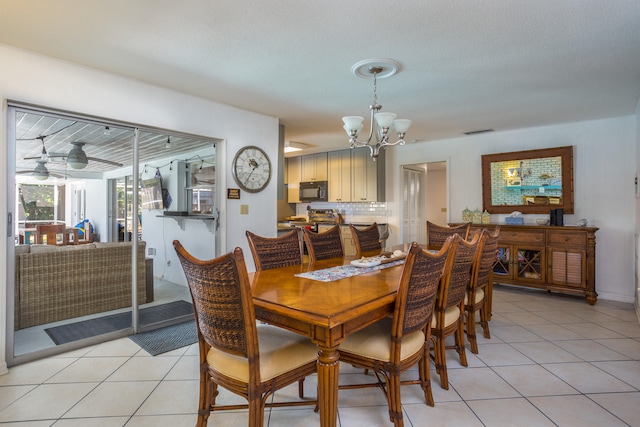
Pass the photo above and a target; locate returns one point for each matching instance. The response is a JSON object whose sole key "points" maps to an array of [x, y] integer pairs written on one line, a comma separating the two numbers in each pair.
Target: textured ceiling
{"points": [[465, 65]]}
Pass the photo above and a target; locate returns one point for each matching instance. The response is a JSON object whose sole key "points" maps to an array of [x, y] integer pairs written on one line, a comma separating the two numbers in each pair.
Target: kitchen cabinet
{"points": [[561, 259], [294, 171], [314, 167], [348, 245], [367, 176], [339, 175], [352, 175]]}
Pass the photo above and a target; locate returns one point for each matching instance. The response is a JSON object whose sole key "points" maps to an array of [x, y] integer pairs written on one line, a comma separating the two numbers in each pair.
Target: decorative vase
{"points": [[467, 215], [486, 217], [477, 217]]}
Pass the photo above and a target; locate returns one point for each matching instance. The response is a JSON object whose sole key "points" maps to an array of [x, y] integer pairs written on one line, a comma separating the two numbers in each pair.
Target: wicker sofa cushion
{"points": [[22, 249], [108, 244], [38, 249]]}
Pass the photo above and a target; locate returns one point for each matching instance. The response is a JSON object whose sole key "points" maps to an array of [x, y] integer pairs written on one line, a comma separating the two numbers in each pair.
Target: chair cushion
{"points": [[374, 342], [280, 351], [451, 315], [479, 296]]}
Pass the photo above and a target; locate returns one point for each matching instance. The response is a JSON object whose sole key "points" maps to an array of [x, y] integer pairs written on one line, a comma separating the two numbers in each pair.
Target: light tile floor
{"points": [[553, 360]]}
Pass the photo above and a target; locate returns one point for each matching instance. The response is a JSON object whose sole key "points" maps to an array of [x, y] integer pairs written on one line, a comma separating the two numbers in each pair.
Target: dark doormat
{"points": [[115, 322], [166, 339]]}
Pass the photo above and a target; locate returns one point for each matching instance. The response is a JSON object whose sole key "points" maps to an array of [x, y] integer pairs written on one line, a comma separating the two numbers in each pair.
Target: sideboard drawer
{"points": [[522, 236], [568, 238]]}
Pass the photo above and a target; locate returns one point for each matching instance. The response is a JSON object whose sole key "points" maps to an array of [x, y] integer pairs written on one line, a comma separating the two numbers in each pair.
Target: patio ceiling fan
{"points": [[77, 158], [40, 172]]}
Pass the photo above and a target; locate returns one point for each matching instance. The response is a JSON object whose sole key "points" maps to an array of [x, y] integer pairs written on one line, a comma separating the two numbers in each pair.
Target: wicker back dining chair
{"points": [[437, 234], [477, 298], [367, 240], [323, 245], [449, 312], [392, 345], [249, 360], [275, 252]]}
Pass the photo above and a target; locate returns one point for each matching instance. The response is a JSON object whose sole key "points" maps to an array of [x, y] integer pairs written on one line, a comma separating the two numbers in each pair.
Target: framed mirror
{"points": [[532, 181]]}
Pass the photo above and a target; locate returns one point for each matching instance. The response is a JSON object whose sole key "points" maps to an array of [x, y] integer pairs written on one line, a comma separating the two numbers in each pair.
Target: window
{"points": [[201, 176], [124, 198], [38, 203]]}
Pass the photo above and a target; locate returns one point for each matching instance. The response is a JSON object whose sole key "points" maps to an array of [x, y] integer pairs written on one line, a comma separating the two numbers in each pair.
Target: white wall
{"points": [[436, 196], [637, 177], [44, 81], [604, 166]]}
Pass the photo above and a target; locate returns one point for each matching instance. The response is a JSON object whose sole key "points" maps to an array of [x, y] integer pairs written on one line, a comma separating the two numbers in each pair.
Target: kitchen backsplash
{"points": [[366, 212]]}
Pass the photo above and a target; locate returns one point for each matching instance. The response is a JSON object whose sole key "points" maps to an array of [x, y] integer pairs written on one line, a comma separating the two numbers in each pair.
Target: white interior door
{"points": [[413, 212]]}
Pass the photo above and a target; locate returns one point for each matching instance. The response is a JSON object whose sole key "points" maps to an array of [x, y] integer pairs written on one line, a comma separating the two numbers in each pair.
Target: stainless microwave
{"points": [[314, 191]]}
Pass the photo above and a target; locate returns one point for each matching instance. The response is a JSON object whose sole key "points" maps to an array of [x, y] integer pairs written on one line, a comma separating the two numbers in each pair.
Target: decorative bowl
{"points": [[542, 221]]}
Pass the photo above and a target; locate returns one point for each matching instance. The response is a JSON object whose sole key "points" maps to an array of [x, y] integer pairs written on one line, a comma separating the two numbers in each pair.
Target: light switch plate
{"points": [[244, 209]]}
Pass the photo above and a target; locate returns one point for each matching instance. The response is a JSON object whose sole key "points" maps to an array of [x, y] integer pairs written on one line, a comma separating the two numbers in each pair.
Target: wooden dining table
{"points": [[326, 312]]}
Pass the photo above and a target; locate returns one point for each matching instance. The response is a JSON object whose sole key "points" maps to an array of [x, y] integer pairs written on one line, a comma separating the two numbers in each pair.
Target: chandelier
{"points": [[382, 124]]}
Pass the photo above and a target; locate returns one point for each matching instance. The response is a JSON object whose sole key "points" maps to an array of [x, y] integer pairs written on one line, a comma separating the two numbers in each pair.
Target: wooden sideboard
{"points": [[561, 259]]}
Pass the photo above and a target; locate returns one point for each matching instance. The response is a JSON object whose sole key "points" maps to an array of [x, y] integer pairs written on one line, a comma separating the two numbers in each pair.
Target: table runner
{"points": [[343, 271]]}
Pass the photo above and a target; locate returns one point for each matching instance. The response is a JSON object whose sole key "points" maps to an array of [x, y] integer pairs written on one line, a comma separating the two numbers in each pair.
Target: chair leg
{"points": [[425, 378], [301, 388], [440, 360], [208, 393], [459, 336], [393, 396], [470, 320], [256, 412], [484, 319]]}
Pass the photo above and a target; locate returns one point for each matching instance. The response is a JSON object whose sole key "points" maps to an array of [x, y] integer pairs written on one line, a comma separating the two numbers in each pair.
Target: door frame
{"points": [[424, 166]]}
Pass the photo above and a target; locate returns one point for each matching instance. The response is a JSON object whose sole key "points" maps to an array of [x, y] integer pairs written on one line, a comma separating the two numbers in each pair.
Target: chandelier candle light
{"points": [[381, 123]]}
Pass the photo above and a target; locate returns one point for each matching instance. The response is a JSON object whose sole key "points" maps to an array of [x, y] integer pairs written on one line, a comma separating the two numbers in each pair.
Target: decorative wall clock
{"points": [[251, 169]]}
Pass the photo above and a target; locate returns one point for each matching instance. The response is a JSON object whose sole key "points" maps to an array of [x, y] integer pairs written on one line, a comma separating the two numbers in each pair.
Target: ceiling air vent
{"points": [[475, 132]]}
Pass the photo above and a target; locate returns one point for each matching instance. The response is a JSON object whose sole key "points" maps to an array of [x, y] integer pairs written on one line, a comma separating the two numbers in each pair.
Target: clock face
{"points": [[251, 169]]}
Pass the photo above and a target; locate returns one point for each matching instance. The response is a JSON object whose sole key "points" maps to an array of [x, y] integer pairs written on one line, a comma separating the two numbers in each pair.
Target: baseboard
{"points": [[615, 297]]}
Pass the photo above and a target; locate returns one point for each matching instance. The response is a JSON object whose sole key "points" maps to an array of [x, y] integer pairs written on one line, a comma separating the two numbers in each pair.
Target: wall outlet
{"points": [[151, 251]]}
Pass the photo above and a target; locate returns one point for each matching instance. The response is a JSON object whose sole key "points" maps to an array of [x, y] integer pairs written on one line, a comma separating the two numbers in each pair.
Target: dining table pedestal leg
{"points": [[328, 371]]}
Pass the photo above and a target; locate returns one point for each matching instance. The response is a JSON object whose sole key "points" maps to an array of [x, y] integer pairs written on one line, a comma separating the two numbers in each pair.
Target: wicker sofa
{"points": [[54, 283]]}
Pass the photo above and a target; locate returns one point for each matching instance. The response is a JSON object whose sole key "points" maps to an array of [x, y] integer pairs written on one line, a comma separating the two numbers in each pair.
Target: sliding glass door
{"points": [[87, 262]]}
